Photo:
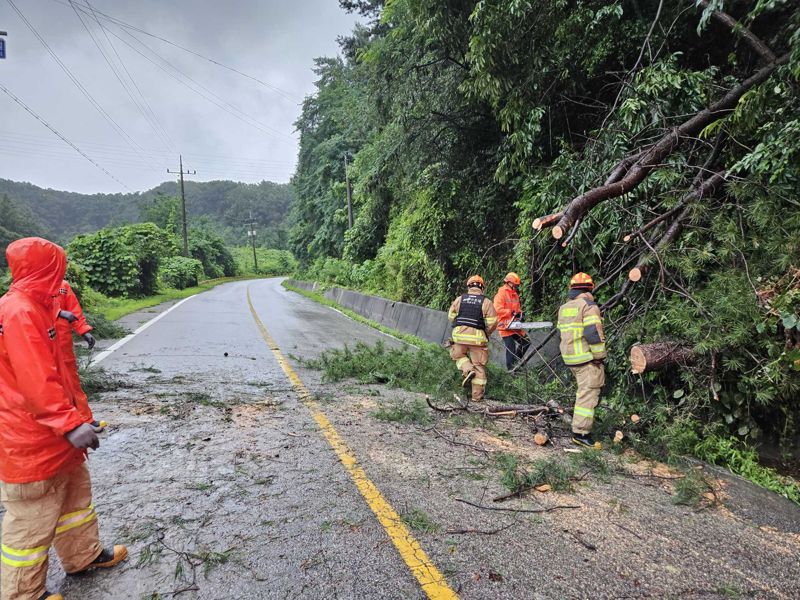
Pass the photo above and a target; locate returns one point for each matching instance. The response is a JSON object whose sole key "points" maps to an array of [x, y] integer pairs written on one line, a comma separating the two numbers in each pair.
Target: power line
{"points": [[143, 107], [212, 97], [59, 134], [116, 73], [119, 22], [75, 80]]}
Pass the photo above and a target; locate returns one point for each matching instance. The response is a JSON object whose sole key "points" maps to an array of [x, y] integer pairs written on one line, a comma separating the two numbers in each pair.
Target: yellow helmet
{"points": [[512, 278]]}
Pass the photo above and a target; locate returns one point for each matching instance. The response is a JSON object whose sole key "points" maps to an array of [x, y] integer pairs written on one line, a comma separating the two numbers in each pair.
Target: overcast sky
{"points": [[231, 127]]}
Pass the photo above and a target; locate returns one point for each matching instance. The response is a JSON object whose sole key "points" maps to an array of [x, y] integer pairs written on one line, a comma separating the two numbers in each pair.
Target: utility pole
{"points": [[349, 195], [181, 172], [251, 233]]}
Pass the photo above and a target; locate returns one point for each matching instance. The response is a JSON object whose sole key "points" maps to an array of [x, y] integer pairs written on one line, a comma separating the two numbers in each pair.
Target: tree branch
{"points": [[655, 154], [755, 43]]}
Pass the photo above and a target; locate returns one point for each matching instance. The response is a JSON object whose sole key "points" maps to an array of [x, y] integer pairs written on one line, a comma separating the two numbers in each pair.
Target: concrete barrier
{"points": [[425, 323]]}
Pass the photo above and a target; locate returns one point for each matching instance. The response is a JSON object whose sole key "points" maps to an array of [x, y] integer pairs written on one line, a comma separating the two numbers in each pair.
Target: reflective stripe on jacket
{"points": [[471, 335], [35, 409], [581, 326], [506, 303]]}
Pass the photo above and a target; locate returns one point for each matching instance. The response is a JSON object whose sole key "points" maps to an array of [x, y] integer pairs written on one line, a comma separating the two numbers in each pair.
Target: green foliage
{"points": [[210, 249], [416, 412], [123, 261], [270, 261], [418, 520], [517, 477], [690, 488], [731, 453], [180, 272], [103, 328], [110, 266]]}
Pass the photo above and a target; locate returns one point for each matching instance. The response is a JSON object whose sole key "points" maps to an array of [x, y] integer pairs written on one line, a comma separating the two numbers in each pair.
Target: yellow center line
{"points": [[429, 577]]}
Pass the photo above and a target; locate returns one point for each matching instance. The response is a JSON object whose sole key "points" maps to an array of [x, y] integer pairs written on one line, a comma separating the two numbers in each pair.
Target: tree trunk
{"points": [[656, 356]]}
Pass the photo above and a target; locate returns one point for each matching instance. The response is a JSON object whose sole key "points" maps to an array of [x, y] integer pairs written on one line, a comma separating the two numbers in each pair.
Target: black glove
{"points": [[65, 314], [517, 316], [90, 341], [83, 437]]}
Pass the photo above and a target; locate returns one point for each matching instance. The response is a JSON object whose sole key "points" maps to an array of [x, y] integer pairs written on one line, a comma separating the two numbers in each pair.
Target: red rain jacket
{"points": [[506, 303], [69, 301], [35, 408]]}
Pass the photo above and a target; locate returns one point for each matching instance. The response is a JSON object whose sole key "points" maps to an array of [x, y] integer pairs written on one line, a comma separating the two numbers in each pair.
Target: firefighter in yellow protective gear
{"points": [[583, 349], [474, 319]]}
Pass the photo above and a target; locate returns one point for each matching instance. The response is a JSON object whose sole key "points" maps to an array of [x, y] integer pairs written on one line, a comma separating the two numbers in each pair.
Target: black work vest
{"points": [[470, 313]]}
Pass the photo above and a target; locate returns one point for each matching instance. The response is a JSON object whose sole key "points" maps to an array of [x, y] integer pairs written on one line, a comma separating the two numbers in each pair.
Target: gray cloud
{"points": [[275, 41]]}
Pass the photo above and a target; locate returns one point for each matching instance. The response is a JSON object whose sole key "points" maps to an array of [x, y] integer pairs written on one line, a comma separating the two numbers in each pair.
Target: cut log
{"points": [[542, 222], [540, 439], [653, 357], [635, 274]]}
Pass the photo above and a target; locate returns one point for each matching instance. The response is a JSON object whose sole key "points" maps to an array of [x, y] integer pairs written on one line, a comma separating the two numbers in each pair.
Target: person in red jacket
{"points": [[44, 482], [71, 318], [509, 309]]}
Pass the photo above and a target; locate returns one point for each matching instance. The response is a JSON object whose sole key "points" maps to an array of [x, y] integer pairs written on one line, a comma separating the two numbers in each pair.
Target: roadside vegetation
{"points": [[119, 270], [506, 112]]}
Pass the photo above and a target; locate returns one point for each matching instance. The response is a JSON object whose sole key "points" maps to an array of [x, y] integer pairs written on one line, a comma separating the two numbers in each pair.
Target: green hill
{"points": [[225, 205]]}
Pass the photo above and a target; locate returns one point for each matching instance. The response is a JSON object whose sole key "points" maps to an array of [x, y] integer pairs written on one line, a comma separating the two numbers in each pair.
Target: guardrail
{"points": [[425, 323]]}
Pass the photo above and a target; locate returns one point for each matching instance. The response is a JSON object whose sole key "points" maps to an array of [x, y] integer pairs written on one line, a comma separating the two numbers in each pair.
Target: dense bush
{"points": [[123, 261], [180, 272], [211, 251]]}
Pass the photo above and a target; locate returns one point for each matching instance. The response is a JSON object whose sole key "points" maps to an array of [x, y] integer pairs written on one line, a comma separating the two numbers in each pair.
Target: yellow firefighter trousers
{"points": [[472, 358], [590, 379], [56, 511]]}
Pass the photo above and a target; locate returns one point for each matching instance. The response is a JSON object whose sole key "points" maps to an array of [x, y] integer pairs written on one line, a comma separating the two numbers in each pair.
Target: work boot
{"points": [[98, 426], [586, 440], [106, 559], [468, 378], [49, 596]]}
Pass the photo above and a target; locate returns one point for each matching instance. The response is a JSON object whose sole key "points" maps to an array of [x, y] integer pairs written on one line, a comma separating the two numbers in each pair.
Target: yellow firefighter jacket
{"points": [[581, 326], [472, 336]]}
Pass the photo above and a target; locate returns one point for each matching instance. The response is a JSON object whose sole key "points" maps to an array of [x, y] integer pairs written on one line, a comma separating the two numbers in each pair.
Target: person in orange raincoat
{"points": [[509, 309], [71, 318], [45, 486]]}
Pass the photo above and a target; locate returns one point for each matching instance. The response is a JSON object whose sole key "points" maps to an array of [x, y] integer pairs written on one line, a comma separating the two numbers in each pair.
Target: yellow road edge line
{"points": [[431, 580]]}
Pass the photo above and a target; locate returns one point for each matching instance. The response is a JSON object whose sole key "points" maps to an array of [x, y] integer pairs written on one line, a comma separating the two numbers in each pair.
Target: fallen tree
{"points": [[659, 355], [633, 170]]}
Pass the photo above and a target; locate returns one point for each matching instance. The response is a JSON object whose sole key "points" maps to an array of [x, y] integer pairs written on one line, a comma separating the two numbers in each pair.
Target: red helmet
{"points": [[581, 281], [512, 278], [476, 281]]}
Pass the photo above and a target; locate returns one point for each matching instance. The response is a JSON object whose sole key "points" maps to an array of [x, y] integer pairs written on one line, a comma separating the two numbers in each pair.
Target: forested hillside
{"points": [[225, 204], [662, 137]]}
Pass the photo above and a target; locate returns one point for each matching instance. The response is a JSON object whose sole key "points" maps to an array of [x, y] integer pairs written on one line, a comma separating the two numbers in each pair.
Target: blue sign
{"points": [[2, 48]]}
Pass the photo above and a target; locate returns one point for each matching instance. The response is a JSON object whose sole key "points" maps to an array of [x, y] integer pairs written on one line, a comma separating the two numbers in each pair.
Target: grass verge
{"points": [[320, 299]]}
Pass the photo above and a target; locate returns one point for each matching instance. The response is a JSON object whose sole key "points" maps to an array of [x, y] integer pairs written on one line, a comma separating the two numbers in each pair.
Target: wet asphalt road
{"points": [[222, 485], [256, 481]]}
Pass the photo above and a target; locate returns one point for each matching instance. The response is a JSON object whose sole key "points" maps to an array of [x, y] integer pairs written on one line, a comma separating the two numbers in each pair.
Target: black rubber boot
{"points": [[585, 441]]}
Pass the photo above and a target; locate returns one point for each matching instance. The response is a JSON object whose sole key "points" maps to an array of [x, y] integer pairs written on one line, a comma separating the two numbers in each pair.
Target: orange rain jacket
{"points": [[506, 303], [35, 408], [69, 301]]}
